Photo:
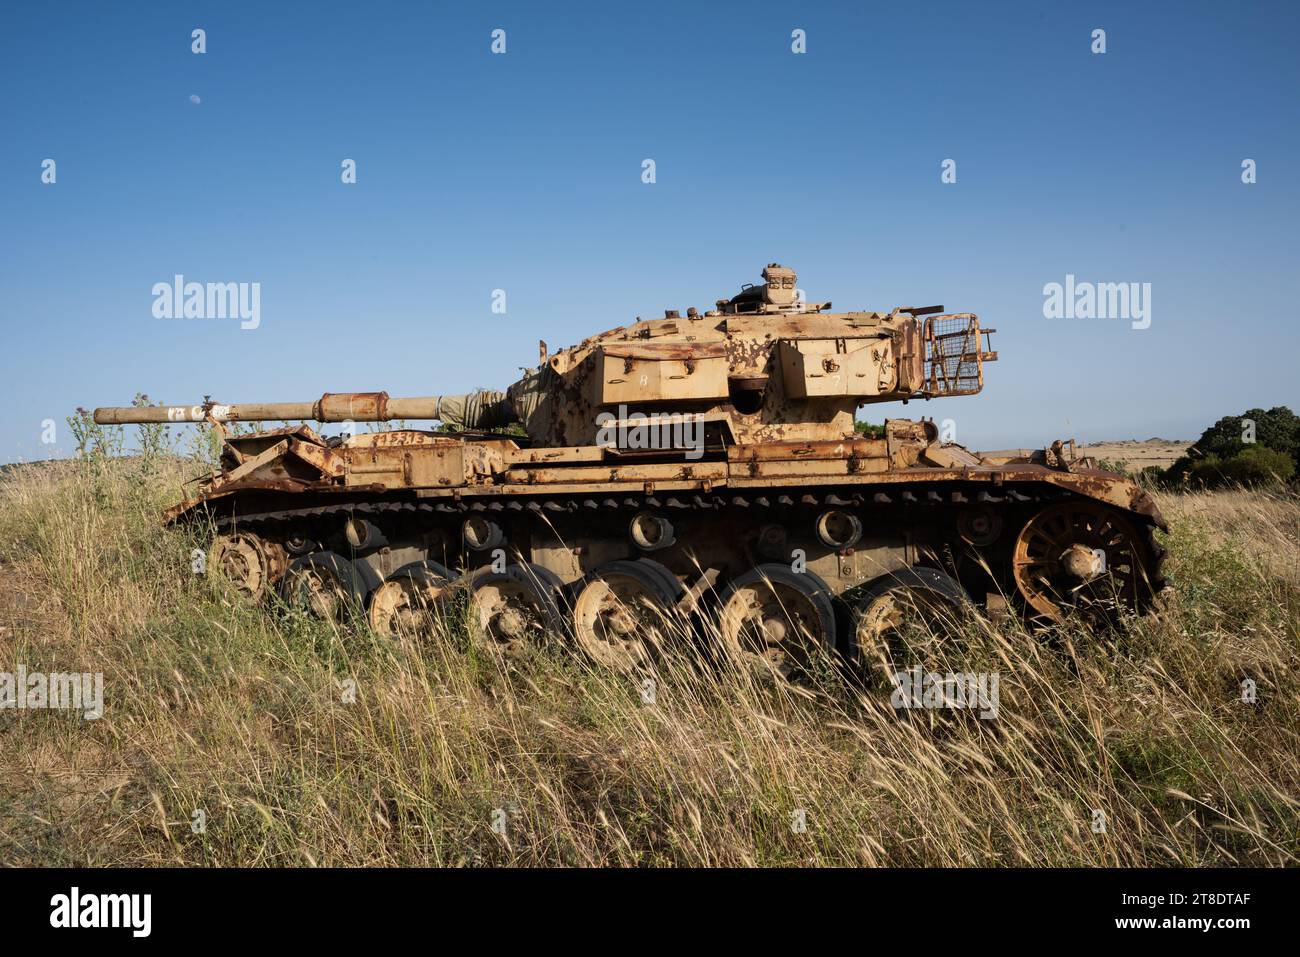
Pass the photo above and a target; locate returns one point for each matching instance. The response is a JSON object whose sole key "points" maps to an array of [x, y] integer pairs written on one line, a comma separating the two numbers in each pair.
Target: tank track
{"points": [[901, 501]]}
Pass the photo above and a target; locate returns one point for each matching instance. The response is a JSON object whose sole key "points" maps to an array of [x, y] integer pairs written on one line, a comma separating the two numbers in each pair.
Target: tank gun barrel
{"points": [[330, 407]]}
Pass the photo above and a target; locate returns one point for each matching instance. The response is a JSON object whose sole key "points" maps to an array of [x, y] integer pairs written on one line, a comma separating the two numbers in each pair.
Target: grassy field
{"points": [[307, 744], [1134, 455]]}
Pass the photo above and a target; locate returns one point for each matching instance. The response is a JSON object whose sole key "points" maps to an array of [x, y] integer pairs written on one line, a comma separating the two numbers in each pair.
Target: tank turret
{"points": [[765, 365]]}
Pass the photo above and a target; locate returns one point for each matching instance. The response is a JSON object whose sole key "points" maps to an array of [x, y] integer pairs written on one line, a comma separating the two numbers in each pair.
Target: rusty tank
{"points": [[698, 467]]}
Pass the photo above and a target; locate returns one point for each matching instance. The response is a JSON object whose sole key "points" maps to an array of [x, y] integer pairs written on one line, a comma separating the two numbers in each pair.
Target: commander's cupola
{"points": [[779, 293]]}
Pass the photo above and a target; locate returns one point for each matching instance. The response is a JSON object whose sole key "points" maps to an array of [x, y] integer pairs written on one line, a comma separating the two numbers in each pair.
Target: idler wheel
{"points": [[243, 560], [1080, 555], [625, 611], [777, 620]]}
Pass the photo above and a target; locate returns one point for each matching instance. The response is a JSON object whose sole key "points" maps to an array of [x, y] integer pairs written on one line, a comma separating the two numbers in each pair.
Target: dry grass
{"points": [[1134, 455], [241, 713]]}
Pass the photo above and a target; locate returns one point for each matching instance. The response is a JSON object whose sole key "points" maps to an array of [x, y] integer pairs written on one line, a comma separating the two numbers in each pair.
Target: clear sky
{"points": [[523, 172]]}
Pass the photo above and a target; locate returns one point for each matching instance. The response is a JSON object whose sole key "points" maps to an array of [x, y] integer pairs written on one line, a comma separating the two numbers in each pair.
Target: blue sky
{"points": [[522, 172]]}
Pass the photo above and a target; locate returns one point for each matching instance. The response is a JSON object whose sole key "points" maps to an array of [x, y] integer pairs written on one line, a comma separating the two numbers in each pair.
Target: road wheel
{"points": [[407, 603], [625, 611], [323, 584], [909, 617], [778, 619], [514, 608]]}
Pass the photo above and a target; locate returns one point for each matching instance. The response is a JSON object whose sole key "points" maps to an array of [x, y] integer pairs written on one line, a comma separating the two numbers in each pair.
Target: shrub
{"points": [[1277, 429], [869, 429], [1253, 466]]}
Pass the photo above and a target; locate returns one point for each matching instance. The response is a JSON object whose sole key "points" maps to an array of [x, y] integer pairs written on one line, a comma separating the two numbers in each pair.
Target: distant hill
{"points": [[1136, 454]]}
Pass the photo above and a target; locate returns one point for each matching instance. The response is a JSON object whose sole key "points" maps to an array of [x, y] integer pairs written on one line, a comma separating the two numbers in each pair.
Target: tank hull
{"points": [[846, 513]]}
